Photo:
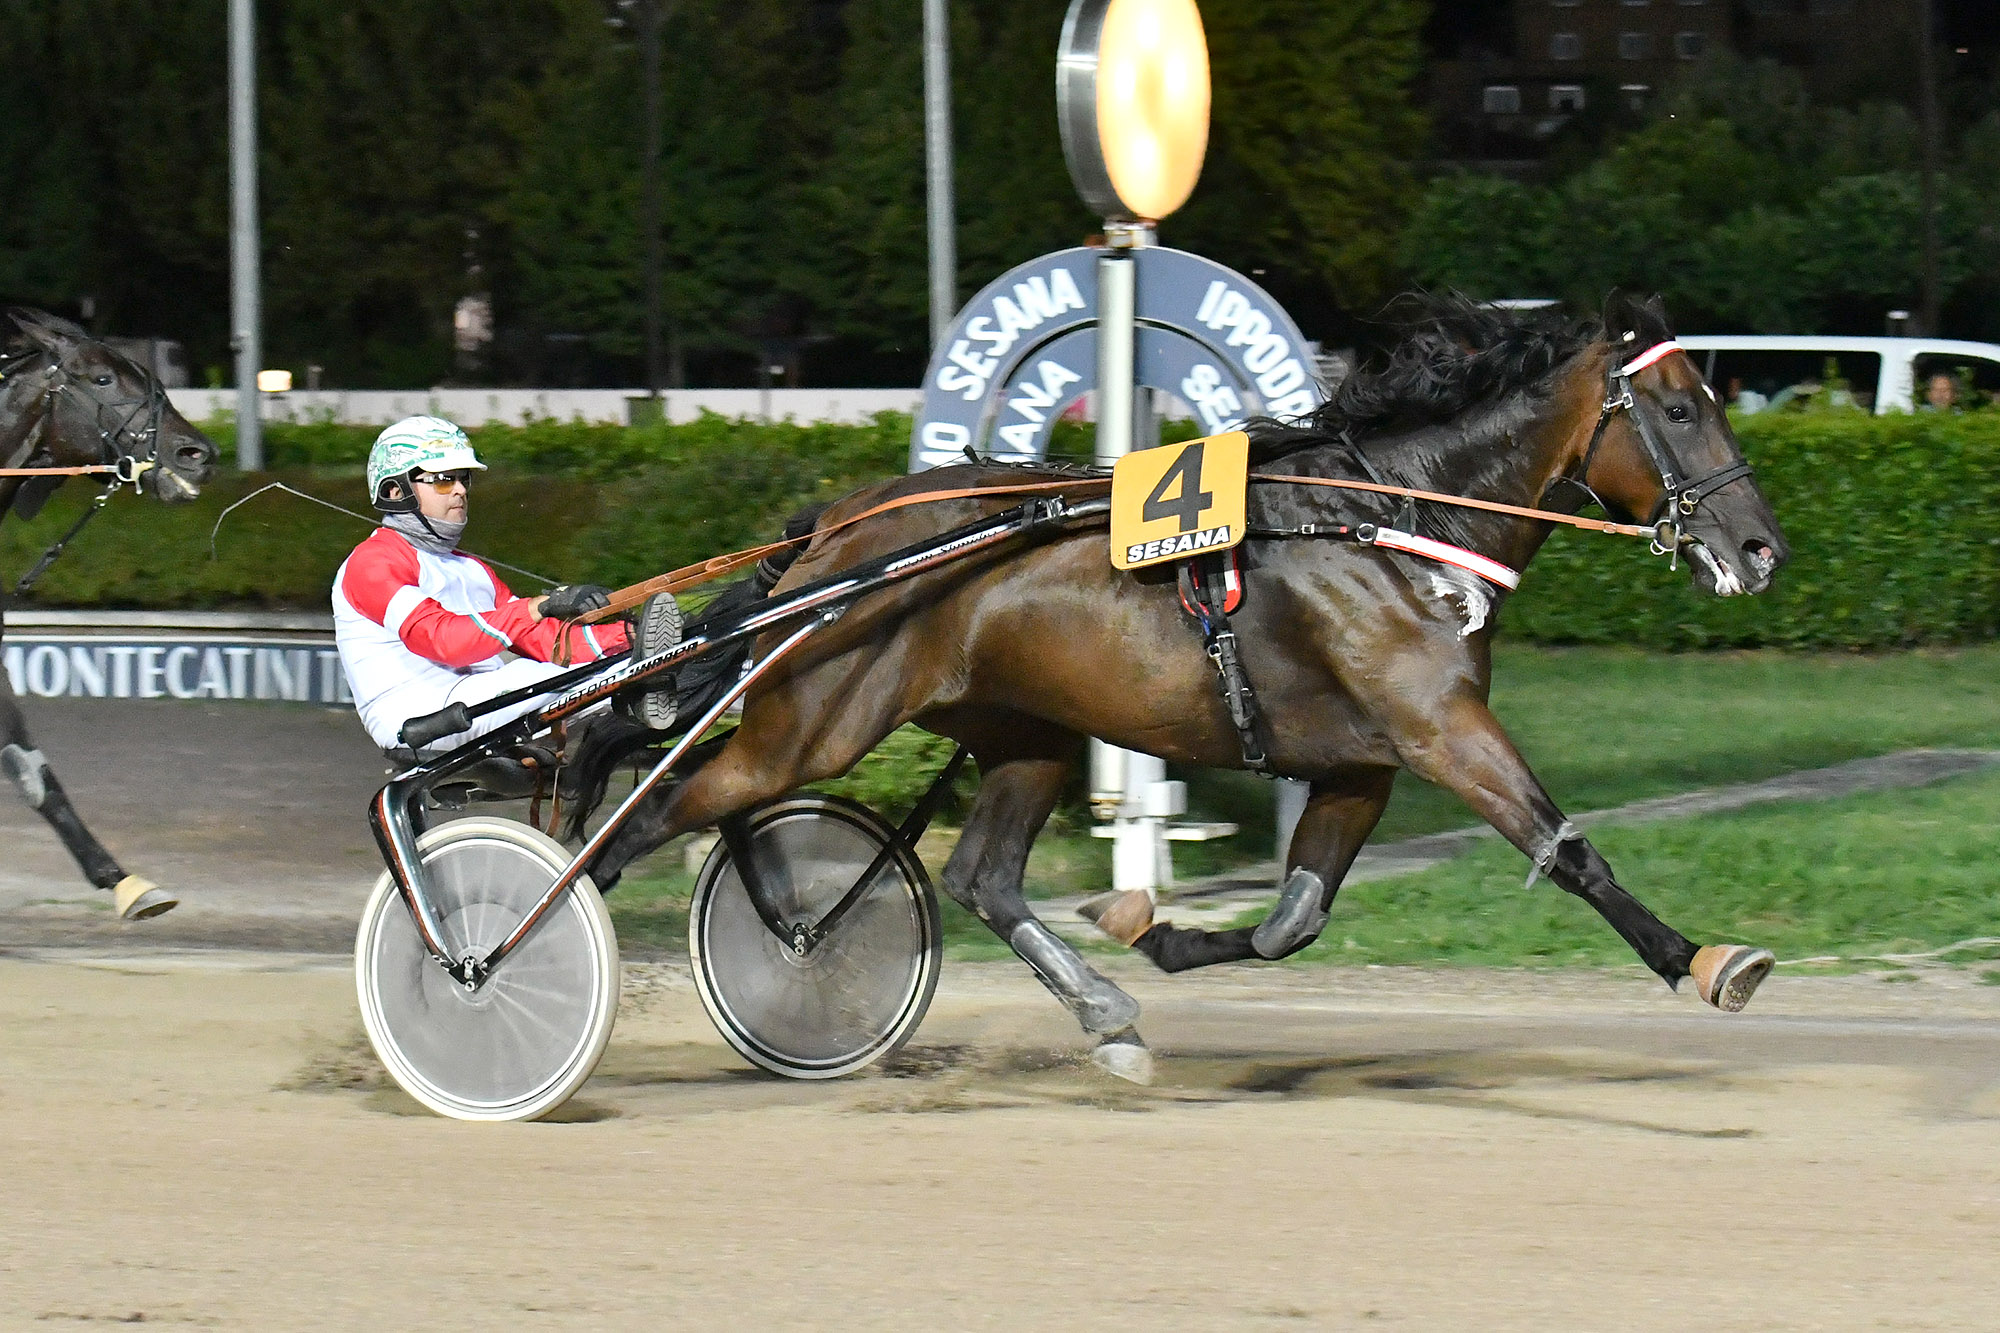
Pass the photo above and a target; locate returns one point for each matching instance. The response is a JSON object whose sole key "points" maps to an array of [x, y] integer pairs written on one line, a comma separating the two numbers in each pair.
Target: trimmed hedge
{"points": [[1894, 524]]}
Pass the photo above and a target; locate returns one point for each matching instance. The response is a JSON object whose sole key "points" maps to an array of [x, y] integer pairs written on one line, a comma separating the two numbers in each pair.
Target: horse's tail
{"points": [[602, 748], [596, 752], [772, 567]]}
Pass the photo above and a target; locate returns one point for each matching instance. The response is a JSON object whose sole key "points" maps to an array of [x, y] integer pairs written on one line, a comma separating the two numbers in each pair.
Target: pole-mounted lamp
{"points": [[1132, 97]]}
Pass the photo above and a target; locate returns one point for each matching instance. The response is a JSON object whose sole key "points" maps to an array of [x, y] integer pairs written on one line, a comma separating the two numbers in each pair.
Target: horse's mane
{"points": [[1452, 355]]}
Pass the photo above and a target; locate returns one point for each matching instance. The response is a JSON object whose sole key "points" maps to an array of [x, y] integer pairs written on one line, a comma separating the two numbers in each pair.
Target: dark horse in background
{"points": [[1364, 660], [67, 400]]}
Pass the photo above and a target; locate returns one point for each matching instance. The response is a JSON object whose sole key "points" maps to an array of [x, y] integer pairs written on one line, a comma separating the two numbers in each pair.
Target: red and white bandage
{"points": [[1649, 357], [1491, 570]]}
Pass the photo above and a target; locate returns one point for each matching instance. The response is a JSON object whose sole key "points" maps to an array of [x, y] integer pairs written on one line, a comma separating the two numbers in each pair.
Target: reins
{"points": [[715, 567], [1680, 500]]}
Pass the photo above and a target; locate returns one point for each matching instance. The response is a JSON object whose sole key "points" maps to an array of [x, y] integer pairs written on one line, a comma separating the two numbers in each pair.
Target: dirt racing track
{"points": [[199, 1136]]}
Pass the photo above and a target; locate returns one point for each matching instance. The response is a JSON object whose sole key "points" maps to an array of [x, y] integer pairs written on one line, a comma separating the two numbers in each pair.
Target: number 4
{"points": [[1187, 508]]}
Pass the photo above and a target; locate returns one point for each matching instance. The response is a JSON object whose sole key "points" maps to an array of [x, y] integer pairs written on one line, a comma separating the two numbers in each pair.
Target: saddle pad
{"points": [[1179, 500]]}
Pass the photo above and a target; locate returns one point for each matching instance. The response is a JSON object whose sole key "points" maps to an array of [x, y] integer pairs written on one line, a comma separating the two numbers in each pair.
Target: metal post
{"points": [[649, 172], [1123, 781], [245, 315], [938, 164], [1933, 295]]}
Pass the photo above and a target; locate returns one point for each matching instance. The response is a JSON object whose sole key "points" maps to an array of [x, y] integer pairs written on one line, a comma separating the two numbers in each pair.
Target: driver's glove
{"points": [[573, 600]]}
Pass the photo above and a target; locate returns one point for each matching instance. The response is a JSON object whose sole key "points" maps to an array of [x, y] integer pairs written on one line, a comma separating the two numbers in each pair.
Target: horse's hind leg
{"points": [[135, 898], [1016, 794], [1339, 816]]}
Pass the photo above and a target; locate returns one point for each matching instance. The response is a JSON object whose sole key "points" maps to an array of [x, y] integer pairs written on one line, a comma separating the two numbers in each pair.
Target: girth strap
{"points": [[1203, 593]]}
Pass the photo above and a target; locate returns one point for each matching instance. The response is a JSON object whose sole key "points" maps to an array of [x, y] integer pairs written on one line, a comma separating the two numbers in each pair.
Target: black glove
{"points": [[572, 600]]}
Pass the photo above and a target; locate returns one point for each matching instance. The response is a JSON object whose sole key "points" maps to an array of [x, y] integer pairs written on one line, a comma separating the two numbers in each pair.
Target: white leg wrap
{"points": [[1545, 855], [26, 768]]}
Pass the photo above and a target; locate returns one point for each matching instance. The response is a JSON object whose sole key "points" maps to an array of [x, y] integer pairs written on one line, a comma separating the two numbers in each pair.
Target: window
{"points": [[1634, 3], [1566, 97], [1635, 46], [1566, 46], [1635, 94], [1690, 45], [1501, 99], [1565, 4], [1690, 2]]}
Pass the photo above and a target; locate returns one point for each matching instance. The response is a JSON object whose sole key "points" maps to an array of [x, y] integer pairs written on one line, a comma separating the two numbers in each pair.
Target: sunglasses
{"points": [[443, 481]]}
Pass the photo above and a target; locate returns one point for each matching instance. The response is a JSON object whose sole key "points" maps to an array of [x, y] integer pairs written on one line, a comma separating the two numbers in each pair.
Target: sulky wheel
{"points": [[521, 1044], [851, 996]]}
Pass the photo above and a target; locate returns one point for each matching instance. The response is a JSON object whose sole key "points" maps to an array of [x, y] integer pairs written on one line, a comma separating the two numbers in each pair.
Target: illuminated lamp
{"points": [[1132, 94]]}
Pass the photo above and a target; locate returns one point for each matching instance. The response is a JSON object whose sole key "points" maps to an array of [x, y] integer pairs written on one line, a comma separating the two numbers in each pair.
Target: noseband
{"points": [[1679, 499]]}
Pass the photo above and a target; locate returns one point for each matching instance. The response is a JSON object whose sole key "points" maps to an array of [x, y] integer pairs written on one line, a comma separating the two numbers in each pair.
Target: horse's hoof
{"points": [[1124, 1055], [1123, 914], [1727, 975], [139, 899]]}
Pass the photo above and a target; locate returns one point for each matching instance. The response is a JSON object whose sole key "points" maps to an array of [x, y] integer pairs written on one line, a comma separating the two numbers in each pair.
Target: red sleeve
{"points": [[381, 583], [583, 643]]}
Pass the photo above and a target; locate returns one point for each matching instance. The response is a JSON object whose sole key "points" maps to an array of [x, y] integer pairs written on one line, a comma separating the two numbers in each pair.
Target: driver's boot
{"points": [[655, 629]]}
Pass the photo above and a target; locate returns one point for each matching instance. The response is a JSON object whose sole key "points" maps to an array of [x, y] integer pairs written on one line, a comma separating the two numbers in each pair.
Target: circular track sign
{"points": [[1132, 96], [1025, 349]]}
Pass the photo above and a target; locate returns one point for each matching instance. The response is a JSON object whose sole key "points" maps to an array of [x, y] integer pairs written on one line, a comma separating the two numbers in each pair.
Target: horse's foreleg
{"points": [[134, 897], [1470, 754], [984, 875], [1339, 816]]}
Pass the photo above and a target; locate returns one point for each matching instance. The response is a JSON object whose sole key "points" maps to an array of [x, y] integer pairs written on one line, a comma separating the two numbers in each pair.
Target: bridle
{"points": [[124, 466], [128, 429], [1679, 499]]}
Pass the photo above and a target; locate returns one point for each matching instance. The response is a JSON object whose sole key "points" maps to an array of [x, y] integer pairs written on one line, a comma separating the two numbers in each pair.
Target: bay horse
{"points": [[1364, 659], [67, 400]]}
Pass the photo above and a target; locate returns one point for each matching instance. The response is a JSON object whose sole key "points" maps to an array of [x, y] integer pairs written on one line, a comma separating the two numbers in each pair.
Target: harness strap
{"points": [[1198, 580]]}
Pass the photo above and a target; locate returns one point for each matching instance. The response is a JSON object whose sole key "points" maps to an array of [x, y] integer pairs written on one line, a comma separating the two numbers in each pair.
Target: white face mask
{"points": [[437, 535]]}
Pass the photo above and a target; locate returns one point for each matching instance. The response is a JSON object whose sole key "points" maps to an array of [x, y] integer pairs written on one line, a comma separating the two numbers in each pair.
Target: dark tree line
{"points": [[415, 152]]}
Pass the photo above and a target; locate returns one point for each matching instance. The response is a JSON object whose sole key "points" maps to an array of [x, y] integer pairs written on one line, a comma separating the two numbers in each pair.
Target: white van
{"points": [[1759, 371]]}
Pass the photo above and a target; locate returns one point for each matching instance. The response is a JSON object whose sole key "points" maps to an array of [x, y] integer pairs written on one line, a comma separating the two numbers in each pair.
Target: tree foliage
{"points": [[414, 152], [1746, 205]]}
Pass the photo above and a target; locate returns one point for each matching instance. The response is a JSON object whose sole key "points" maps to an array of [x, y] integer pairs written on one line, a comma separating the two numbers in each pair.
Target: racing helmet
{"points": [[414, 444]]}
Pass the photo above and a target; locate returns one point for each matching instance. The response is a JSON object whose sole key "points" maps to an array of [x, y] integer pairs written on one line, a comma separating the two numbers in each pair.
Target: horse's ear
{"points": [[1659, 327], [44, 330], [1622, 317]]}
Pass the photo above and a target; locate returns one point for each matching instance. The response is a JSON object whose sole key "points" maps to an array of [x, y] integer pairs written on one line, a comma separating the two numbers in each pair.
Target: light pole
{"points": [[651, 18], [1132, 95], [939, 202], [245, 299]]}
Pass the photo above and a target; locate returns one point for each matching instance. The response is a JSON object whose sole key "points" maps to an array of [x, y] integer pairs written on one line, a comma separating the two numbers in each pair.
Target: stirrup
{"points": [[656, 629]]}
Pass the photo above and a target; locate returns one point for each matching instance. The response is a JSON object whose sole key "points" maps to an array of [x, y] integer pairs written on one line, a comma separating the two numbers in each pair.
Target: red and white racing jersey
{"points": [[411, 626]]}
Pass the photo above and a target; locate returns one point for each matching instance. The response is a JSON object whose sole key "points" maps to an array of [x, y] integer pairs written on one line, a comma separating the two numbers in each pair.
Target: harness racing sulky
{"points": [[1345, 632], [72, 407]]}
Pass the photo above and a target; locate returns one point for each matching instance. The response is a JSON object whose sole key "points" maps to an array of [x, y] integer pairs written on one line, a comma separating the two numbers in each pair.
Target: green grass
{"points": [[1884, 872]]}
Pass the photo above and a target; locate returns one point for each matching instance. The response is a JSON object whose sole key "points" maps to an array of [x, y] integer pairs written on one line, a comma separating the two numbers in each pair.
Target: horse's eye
{"points": [[1677, 413], [102, 381]]}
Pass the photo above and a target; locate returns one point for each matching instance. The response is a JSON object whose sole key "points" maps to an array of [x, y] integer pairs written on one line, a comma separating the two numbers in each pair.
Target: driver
{"points": [[419, 624]]}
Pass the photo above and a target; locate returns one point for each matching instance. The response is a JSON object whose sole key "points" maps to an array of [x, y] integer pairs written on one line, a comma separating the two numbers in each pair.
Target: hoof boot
{"points": [[1124, 915], [1727, 975], [1124, 1055], [139, 899]]}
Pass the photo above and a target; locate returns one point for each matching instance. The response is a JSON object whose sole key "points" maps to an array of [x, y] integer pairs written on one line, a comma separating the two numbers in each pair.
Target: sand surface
{"points": [[204, 1139]]}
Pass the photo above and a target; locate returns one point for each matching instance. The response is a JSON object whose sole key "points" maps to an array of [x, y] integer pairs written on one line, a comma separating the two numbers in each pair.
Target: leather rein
{"points": [[1680, 498]]}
